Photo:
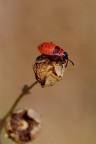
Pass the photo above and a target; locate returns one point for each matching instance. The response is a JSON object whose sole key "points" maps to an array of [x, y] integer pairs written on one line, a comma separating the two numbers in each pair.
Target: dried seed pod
{"points": [[48, 71], [23, 126]]}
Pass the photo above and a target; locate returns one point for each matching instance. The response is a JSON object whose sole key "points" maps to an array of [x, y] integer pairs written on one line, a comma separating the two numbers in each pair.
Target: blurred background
{"points": [[68, 109]]}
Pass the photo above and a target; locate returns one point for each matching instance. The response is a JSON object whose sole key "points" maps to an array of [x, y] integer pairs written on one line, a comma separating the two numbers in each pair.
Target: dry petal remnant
{"points": [[48, 71], [23, 126]]}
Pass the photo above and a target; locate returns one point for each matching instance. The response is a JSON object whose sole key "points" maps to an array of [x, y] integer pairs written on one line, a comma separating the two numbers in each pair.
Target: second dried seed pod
{"points": [[23, 126]]}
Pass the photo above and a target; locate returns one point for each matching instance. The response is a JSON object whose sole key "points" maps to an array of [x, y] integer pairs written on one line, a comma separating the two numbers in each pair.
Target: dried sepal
{"points": [[48, 71], [23, 126]]}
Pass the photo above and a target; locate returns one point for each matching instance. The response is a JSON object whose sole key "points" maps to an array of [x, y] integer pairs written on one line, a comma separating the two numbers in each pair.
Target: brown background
{"points": [[68, 109]]}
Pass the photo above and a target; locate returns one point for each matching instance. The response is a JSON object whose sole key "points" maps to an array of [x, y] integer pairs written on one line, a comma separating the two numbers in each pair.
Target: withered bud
{"points": [[48, 71], [23, 126]]}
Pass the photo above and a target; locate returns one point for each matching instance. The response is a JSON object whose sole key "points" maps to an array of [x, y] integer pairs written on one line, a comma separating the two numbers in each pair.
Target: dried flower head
{"points": [[23, 126], [48, 71]]}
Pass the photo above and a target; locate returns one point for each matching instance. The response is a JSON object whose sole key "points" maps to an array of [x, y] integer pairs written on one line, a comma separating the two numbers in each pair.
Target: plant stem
{"points": [[25, 91]]}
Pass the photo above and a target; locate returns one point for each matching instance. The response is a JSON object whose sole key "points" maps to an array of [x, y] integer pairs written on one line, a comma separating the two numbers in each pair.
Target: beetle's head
{"points": [[66, 59]]}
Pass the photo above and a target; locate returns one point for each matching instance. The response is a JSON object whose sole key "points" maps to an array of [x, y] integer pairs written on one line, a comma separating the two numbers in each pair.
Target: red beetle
{"points": [[50, 49]]}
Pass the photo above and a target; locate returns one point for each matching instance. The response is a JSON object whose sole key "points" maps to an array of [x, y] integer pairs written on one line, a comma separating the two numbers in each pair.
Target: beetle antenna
{"points": [[66, 62], [71, 61]]}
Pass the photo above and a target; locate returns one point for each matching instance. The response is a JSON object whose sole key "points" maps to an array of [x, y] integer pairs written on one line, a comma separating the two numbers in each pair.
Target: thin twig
{"points": [[25, 90]]}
